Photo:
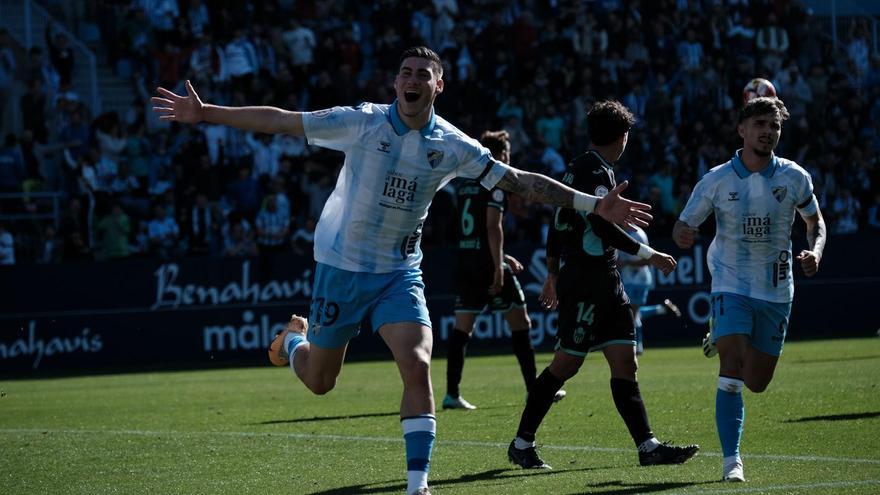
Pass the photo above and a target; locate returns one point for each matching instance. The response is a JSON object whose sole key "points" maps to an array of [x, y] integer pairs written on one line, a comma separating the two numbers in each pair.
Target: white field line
{"points": [[354, 438]]}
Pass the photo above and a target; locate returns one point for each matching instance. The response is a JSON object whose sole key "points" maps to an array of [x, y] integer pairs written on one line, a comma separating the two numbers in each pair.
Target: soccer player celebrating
{"points": [[754, 197], [367, 251], [486, 277], [594, 311]]}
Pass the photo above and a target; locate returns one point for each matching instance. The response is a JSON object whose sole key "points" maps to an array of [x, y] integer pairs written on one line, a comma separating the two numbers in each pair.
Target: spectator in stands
{"points": [[204, 227], [550, 129], [199, 19], [207, 62], [244, 192], [237, 243], [33, 105], [265, 157], [163, 232], [61, 55], [51, 250], [846, 211], [300, 42], [12, 171], [241, 61], [772, 43], [113, 231], [273, 226]]}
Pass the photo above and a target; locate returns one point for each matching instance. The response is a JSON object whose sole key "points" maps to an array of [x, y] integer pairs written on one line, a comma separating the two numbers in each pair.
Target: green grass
{"points": [[256, 430]]}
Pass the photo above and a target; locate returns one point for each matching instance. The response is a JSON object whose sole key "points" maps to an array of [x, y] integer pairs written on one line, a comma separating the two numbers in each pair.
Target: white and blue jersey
{"points": [[372, 220], [751, 253], [636, 276]]}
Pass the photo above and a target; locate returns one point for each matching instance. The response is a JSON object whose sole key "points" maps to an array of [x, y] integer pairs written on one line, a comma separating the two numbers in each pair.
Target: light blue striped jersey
{"points": [[372, 221], [751, 253]]}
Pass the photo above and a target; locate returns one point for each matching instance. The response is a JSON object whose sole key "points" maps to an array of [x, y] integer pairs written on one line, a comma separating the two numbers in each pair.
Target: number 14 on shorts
{"points": [[586, 314]]}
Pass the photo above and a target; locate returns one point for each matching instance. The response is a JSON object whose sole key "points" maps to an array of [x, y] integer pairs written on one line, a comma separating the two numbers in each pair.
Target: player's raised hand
{"points": [[809, 262], [684, 235], [622, 211], [188, 109], [515, 265], [663, 262], [548, 298]]}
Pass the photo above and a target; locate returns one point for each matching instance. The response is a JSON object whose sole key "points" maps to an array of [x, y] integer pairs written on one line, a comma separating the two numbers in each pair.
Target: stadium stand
{"points": [[80, 182]]}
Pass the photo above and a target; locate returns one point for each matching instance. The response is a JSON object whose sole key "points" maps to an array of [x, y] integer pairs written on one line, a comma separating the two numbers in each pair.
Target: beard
{"points": [[763, 153]]}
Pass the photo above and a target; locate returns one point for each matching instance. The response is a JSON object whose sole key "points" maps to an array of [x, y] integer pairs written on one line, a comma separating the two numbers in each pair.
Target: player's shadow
{"points": [[636, 488], [325, 418], [492, 474], [835, 417]]}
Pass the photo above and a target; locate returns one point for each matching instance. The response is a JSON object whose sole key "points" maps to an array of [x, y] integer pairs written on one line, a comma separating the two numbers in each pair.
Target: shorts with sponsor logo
{"points": [[590, 320], [765, 322], [344, 301], [473, 291]]}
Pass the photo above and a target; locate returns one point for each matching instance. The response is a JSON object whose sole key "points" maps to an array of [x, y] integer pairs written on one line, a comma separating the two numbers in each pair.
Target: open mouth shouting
{"points": [[411, 96]]}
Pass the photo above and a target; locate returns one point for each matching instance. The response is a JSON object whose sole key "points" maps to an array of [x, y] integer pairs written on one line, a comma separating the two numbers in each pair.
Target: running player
{"points": [[754, 197], [486, 277], [367, 250]]}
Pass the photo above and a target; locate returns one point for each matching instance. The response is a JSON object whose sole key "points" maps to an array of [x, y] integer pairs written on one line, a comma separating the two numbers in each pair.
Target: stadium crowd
{"points": [[135, 186]]}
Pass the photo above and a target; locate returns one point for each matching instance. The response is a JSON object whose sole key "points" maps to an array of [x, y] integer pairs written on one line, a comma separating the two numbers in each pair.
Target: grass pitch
{"points": [[256, 430]]}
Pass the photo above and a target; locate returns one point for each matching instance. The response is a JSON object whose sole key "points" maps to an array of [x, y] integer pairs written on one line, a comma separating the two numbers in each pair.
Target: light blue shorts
{"points": [[638, 294], [764, 322], [343, 301]]}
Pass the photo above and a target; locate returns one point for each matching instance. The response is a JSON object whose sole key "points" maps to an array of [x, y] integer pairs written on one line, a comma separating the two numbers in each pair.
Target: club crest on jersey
{"points": [[384, 146], [601, 191], [779, 193], [434, 157]]}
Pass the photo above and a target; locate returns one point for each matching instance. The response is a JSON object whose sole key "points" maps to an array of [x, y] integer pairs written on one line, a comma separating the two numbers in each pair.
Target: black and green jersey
{"points": [[588, 241], [473, 240]]}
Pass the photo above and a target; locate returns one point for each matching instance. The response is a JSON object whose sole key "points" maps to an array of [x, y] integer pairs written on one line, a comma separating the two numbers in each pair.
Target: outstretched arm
{"points": [[189, 109], [540, 188]]}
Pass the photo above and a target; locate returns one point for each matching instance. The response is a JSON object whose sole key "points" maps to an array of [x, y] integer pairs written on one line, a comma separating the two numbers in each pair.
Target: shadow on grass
{"points": [[835, 360], [492, 474], [836, 417], [635, 488], [325, 418]]}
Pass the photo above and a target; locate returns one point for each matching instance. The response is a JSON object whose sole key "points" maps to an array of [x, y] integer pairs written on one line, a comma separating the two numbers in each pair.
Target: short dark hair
{"points": [[496, 141], [423, 52], [608, 120], [763, 105]]}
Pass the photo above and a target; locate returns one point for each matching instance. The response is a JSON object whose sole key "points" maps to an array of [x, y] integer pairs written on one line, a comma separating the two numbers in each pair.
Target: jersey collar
{"points": [[400, 128], [742, 172], [602, 159]]}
